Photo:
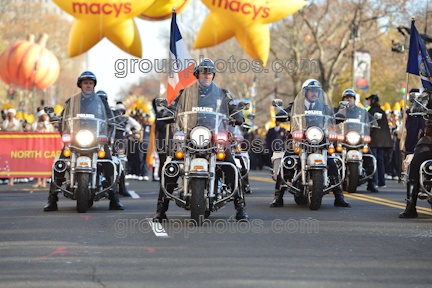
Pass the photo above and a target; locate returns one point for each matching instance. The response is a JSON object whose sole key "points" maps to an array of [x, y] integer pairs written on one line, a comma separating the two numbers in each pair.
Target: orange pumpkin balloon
{"points": [[19, 61], [308, 38]]}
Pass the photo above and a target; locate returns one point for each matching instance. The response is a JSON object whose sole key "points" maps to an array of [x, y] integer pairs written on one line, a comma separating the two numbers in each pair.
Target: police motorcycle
{"points": [[352, 145], [302, 167], [422, 107], [241, 157], [80, 167], [201, 137]]}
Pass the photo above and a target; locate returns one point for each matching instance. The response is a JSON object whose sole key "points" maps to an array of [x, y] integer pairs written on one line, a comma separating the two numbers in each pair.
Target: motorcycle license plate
{"points": [[83, 162]]}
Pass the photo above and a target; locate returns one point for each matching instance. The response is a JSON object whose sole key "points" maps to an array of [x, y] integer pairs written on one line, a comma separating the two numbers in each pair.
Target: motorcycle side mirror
{"points": [[277, 102], [251, 116], [340, 117], [161, 102], [243, 105], [49, 109], [343, 104], [378, 116]]}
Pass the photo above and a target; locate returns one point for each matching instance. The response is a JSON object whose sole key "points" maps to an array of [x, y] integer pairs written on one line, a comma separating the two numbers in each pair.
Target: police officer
{"points": [[422, 152], [353, 111], [87, 81], [313, 90], [205, 73]]}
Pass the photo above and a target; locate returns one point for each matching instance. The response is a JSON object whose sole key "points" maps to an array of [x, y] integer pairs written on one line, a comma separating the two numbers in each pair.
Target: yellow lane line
{"points": [[366, 198]]}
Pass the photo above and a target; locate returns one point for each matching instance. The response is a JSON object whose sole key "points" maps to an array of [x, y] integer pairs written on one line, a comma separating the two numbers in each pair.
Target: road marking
{"points": [[157, 228], [134, 195], [366, 198]]}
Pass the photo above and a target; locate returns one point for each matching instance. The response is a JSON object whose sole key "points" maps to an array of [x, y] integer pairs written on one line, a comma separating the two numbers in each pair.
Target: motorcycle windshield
{"points": [[357, 119], [201, 105], [85, 114], [312, 108]]}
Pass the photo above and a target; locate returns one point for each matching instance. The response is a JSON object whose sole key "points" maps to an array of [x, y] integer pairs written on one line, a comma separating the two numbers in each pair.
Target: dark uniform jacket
{"points": [[381, 138]]}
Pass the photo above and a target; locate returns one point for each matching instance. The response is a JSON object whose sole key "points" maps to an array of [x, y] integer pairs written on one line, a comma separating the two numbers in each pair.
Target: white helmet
{"points": [[307, 82]]}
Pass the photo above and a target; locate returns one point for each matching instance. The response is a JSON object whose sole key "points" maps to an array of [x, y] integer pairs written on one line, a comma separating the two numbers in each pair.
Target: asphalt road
{"points": [[363, 246]]}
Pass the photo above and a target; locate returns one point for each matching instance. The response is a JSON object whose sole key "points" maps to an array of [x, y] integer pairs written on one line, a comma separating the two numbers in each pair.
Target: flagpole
{"points": [[402, 145], [170, 67]]}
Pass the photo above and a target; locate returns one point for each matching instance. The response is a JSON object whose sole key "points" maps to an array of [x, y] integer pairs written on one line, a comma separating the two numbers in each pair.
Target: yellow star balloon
{"points": [[162, 9], [96, 19], [246, 20]]}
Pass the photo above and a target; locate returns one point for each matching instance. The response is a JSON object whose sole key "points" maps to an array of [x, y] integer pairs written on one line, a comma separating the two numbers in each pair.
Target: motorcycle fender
{"points": [[354, 155], [199, 165], [316, 160]]}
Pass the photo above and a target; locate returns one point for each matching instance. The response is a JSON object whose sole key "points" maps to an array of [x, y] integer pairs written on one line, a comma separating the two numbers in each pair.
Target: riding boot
{"points": [[239, 205], [278, 198], [122, 187], [162, 207], [53, 198], [371, 186], [410, 210], [52, 203], [114, 199], [339, 198]]}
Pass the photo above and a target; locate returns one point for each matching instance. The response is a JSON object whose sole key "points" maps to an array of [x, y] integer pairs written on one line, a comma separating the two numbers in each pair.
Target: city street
{"points": [[363, 246]]}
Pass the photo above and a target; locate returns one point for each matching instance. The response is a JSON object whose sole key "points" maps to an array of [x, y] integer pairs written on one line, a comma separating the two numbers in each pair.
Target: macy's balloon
{"points": [[162, 9], [246, 20], [96, 19], [18, 63]]}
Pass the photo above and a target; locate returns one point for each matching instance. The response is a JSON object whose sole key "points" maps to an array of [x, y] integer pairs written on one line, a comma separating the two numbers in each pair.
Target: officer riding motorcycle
{"points": [[353, 138], [303, 168], [85, 127], [419, 182], [201, 177]]}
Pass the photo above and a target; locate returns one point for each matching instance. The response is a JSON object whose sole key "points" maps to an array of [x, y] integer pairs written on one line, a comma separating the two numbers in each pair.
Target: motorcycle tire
{"points": [[315, 195], [351, 177], [198, 208], [82, 193]]}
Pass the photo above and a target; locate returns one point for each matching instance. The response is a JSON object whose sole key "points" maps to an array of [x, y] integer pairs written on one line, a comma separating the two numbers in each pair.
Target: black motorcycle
{"points": [[80, 168]]}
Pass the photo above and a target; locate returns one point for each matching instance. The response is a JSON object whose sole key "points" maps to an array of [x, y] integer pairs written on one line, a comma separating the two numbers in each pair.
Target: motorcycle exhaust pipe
{"points": [[172, 170], [60, 166]]}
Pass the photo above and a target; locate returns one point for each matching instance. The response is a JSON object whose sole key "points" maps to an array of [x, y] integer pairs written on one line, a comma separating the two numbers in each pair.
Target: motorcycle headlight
{"points": [[84, 138], [200, 136], [314, 135], [353, 138]]}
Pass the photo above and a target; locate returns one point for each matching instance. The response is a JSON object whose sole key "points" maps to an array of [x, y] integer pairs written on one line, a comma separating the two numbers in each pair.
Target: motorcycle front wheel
{"points": [[351, 177], [315, 194], [198, 208], [82, 194]]}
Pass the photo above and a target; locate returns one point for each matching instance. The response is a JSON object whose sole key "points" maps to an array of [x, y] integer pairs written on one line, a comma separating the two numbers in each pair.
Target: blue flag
{"points": [[419, 62]]}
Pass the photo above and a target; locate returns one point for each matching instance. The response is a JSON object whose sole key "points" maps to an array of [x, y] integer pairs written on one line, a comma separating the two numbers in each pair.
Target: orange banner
{"points": [[28, 154]]}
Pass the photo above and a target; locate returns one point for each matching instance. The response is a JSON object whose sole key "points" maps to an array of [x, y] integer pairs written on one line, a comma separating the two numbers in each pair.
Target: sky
{"points": [[102, 57]]}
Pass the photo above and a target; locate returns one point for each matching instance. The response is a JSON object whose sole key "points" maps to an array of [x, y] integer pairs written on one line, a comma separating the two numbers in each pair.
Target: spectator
{"points": [[11, 124], [41, 125], [274, 135], [381, 140]]}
